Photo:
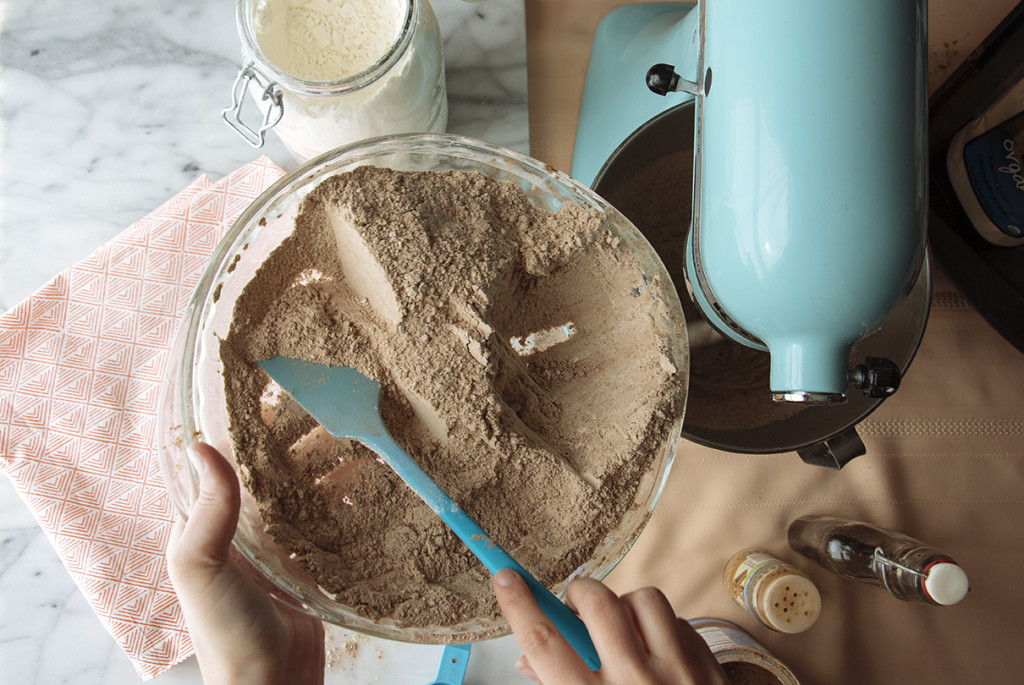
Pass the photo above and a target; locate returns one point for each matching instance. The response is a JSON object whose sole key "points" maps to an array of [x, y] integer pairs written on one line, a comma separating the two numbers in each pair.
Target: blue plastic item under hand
{"points": [[452, 669], [345, 402]]}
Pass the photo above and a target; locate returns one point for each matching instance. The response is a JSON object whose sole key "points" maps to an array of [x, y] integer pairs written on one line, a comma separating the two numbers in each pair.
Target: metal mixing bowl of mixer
{"points": [[649, 178]]}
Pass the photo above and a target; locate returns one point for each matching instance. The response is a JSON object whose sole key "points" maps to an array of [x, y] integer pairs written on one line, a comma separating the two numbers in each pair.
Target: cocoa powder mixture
{"points": [[426, 281]]}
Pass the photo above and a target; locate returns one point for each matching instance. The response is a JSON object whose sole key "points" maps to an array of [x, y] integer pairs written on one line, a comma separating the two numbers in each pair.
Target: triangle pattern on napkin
{"points": [[81, 362]]}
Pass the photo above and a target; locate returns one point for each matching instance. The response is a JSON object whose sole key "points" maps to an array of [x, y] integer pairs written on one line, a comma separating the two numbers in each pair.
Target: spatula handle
{"points": [[490, 553], [495, 558]]}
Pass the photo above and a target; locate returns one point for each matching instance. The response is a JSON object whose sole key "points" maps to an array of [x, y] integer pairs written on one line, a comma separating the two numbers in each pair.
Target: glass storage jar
{"points": [[403, 91]]}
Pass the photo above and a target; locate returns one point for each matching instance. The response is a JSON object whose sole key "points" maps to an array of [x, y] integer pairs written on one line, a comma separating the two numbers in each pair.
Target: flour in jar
{"points": [[351, 69], [327, 40]]}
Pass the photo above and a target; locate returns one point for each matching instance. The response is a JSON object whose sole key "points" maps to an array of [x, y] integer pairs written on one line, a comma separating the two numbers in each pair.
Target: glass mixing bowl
{"points": [[192, 398]]}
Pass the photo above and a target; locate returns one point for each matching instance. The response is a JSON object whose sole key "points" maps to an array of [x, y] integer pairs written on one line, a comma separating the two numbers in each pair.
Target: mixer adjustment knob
{"points": [[877, 377], [662, 79]]}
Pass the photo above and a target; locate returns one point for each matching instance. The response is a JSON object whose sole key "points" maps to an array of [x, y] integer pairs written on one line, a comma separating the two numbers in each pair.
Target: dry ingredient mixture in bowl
{"points": [[533, 360]]}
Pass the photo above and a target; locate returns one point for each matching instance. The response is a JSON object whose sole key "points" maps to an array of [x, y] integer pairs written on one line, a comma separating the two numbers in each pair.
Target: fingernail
{"points": [[196, 459], [505, 577], [524, 667]]}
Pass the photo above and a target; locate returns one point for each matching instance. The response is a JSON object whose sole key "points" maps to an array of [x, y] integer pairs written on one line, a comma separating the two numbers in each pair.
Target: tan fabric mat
{"points": [[945, 463]]}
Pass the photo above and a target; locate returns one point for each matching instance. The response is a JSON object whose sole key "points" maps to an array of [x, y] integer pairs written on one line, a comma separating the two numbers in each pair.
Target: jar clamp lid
{"points": [[271, 115]]}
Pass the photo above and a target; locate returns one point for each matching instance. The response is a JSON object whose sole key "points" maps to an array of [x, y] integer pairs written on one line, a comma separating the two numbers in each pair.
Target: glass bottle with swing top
{"points": [[908, 568]]}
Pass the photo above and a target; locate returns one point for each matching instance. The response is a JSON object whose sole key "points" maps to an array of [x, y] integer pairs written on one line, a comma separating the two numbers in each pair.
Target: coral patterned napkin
{"points": [[81, 362]]}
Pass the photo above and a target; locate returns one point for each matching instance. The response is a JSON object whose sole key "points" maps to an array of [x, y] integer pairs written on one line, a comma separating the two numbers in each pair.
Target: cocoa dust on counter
{"points": [[426, 281]]}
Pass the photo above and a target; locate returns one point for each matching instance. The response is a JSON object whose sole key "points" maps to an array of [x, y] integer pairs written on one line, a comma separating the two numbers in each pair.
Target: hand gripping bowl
{"points": [[192, 398]]}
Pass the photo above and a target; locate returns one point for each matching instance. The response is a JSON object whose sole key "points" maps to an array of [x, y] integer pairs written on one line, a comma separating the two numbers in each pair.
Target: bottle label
{"points": [[995, 167], [716, 639], [741, 577]]}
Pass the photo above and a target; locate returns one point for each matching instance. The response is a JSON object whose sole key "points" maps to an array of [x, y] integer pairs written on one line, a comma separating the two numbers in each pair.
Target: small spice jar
{"points": [[781, 596], [314, 71]]}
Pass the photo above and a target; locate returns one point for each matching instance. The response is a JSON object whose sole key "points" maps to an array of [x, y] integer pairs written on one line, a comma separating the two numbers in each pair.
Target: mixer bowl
{"points": [[649, 178], [192, 398]]}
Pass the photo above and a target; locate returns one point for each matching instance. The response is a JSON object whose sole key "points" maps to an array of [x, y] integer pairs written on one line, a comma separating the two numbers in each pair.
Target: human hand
{"points": [[240, 634], [637, 636]]}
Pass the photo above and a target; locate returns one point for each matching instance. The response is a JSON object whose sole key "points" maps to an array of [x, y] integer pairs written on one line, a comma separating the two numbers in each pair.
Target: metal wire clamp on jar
{"points": [[403, 91]]}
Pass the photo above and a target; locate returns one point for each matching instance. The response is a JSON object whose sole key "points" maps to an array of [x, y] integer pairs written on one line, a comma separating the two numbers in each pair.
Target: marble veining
{"points": [[107, 110]]}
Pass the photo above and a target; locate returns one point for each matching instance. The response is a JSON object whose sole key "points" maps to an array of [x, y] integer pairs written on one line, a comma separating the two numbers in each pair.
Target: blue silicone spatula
{"points": [[345, 402], [452, 669]]}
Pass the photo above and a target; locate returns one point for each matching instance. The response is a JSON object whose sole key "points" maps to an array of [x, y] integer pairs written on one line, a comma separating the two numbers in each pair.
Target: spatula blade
{"points": [[342, 400]]}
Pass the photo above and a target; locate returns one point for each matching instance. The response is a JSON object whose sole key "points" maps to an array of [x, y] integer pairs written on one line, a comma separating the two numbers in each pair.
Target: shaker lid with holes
{"points": [[791, 603]]}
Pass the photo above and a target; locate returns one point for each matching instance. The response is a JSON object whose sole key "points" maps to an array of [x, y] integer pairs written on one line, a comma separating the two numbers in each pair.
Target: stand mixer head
{"points": [[809, 174], [809, 211]]}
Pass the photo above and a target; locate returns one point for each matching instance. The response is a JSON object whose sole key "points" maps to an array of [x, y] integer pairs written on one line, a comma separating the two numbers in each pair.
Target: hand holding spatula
{"points": [[345, 402]]}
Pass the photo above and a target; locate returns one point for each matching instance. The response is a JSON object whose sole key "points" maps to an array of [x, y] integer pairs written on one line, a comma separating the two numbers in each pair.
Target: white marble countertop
{"points": [[107, 110]]}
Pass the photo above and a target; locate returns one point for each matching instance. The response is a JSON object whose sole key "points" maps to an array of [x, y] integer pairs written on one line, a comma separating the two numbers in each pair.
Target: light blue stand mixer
{"points": [[809, 174]]}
